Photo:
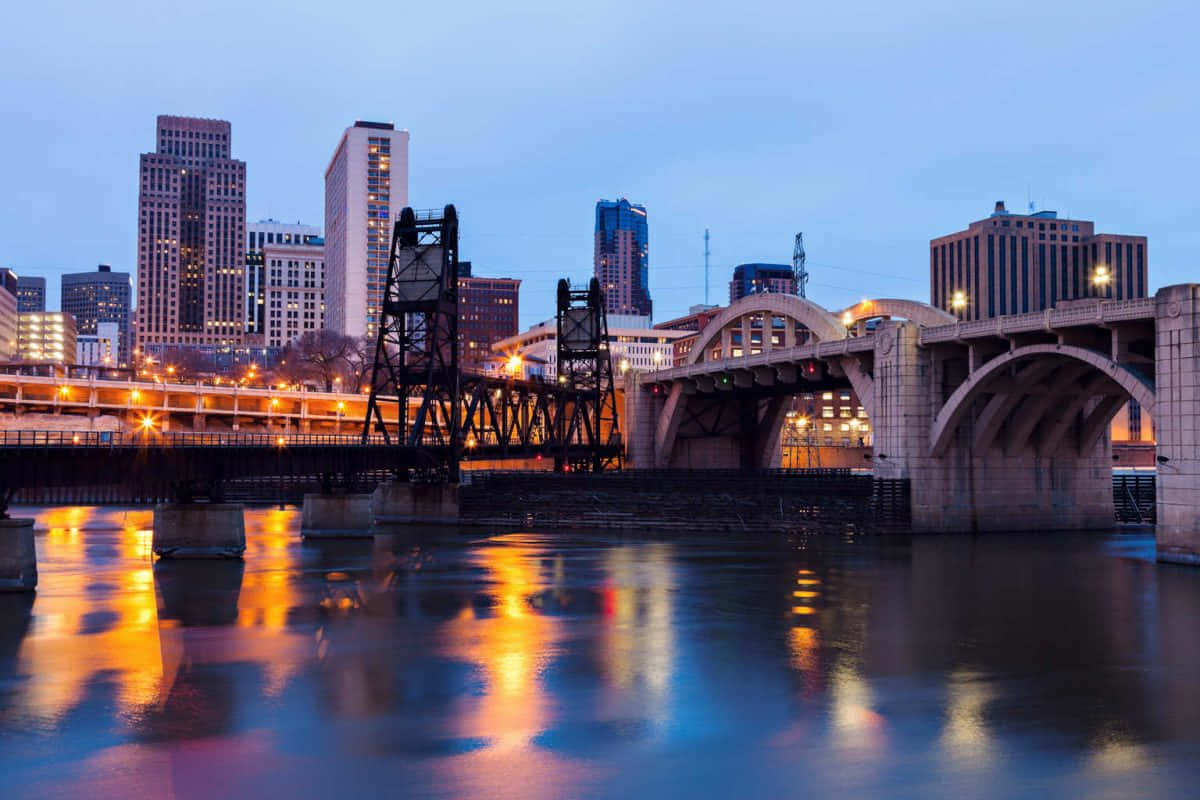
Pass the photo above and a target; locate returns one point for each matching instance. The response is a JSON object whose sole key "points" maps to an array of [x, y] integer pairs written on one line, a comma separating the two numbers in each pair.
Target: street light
{"points": [[1101, 278], [513, 365], [624, 365], [958, 301]]}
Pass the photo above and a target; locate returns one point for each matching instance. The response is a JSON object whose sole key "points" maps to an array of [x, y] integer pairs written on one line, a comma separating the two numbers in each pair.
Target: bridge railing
{"points": [[34, 438]]}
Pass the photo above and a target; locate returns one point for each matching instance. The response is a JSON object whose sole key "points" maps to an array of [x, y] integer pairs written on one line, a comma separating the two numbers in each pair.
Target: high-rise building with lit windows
{"points": [[366, 186], [191, 282], [1012, 263], [31, 293], [94, 298], [621, 257]]}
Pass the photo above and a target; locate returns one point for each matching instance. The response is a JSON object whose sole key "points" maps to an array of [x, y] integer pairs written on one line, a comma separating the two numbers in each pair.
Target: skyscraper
{"points": [[31, 293], [621, 257], [1016, 263], [191, 281], [258, 236], [96, 297], [366, 186]]}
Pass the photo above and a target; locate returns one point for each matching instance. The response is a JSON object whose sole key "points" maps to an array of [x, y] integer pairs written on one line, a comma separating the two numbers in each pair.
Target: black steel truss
{"points": [[585, 373], [437, 412], [416, 350]]}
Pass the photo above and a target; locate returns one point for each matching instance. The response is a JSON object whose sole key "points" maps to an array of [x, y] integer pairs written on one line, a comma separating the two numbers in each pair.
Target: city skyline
{"points": [[848, 144]]}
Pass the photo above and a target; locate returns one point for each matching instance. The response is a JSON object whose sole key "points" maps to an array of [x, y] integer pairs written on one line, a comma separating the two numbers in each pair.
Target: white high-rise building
{"points": [[366, 186]]}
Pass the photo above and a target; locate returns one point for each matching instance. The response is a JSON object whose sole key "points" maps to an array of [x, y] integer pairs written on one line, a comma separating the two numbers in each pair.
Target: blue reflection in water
{"points": [[535, 665]]}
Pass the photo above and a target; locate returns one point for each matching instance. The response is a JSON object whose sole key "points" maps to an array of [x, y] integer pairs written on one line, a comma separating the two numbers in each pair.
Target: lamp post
{"points": [[958, 302], [1101, 280]]}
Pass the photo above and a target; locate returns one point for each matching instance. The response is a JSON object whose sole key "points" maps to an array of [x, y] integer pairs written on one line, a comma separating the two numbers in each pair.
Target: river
{"points": [[450, 664]]}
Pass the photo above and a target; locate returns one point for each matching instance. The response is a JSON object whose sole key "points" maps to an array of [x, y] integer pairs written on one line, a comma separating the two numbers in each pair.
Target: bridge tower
{"points": [[587, 410], [416, 351]]}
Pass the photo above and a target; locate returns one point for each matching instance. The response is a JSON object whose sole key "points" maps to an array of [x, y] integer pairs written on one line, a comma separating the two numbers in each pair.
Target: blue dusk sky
{"points": [[872, 127]]}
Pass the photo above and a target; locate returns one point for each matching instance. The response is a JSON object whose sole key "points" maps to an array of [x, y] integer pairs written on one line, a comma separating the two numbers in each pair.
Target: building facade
{"points": [[487, 313], [8, 316], [99, 349], [631, 349], [751, 279], [622, 257], [696, 320], [366, 187], [1017, 263], [46, 337], [294, 291], [93, 298], [259, 235], [31, 294], [191, 281]]}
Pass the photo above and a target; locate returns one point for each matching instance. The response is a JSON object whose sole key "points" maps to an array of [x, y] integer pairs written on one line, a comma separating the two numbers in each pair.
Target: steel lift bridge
{"points": [[435, 413]]}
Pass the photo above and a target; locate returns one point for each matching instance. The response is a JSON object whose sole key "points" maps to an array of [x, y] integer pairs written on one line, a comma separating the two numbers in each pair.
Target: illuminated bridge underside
{"points": [[999, 423]]}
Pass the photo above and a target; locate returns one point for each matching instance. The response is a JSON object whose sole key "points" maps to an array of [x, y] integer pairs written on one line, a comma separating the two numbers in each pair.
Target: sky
{"points": [[871, 127]]}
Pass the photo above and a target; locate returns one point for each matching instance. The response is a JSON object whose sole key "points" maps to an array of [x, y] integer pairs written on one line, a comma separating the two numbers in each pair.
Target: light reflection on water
{"points": [[537, 665]]}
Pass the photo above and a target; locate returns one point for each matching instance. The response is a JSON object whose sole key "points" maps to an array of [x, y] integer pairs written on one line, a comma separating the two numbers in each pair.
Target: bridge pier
{"points": [[336, 516], [18, 557], [400, 503], [1177, 417], [199, 530], [972, 487]]}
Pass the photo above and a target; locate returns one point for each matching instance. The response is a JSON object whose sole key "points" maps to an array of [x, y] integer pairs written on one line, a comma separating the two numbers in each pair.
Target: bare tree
{"points": [[322, 356]]}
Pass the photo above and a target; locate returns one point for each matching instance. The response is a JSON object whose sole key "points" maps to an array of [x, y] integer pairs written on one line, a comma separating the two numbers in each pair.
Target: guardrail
{"points": [[181, 439]]}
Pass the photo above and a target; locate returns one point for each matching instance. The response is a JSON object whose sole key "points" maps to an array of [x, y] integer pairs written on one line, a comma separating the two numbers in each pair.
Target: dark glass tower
{"points": [[622, 257]]}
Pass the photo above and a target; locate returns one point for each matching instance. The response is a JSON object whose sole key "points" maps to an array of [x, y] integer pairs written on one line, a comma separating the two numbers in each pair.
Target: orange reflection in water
{"points": [[96, 612], [512, 645]]}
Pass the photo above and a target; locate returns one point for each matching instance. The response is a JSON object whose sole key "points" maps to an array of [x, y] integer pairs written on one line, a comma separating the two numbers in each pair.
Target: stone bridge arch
{"points": [[738, 318], [923, 314], [751, 329], [1046, 385]]}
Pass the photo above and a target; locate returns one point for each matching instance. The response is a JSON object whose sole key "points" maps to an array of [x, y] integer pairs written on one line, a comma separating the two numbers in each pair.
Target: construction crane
{"points": [[799, 270]]}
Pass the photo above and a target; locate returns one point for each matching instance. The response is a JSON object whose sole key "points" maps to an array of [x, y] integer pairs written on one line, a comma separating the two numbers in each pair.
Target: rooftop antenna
{"points": [[799, 270], [707, 253]]}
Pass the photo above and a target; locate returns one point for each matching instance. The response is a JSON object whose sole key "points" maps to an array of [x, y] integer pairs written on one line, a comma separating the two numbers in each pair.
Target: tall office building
{"points": [[191, 282], [366, 186], [621, 257], [96, 297], [31, 294], [259, 235], [293, 290], [1016, 263], [751, 279], [487, 312]]}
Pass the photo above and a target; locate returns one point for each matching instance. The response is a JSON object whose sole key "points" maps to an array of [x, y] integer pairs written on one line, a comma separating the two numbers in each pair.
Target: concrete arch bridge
{"points": [[1002, 423]]}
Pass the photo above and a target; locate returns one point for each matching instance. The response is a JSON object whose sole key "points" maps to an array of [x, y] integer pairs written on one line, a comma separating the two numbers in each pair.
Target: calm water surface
{"points": [[549, 666]]}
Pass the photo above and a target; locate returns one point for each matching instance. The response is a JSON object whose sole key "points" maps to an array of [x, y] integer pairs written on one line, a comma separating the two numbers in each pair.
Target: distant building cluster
{"points": [[236, 292]]}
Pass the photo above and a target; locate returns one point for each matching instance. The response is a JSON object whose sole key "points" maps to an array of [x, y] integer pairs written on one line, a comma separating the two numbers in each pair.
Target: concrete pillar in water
{"points": [[398, 502], [18, 558], [336, 516], [199, 530], [1177, 422]]}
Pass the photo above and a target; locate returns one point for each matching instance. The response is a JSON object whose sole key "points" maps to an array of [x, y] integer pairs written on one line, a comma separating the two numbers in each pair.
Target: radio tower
{"points": [[707, 253], [799, 270]]}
